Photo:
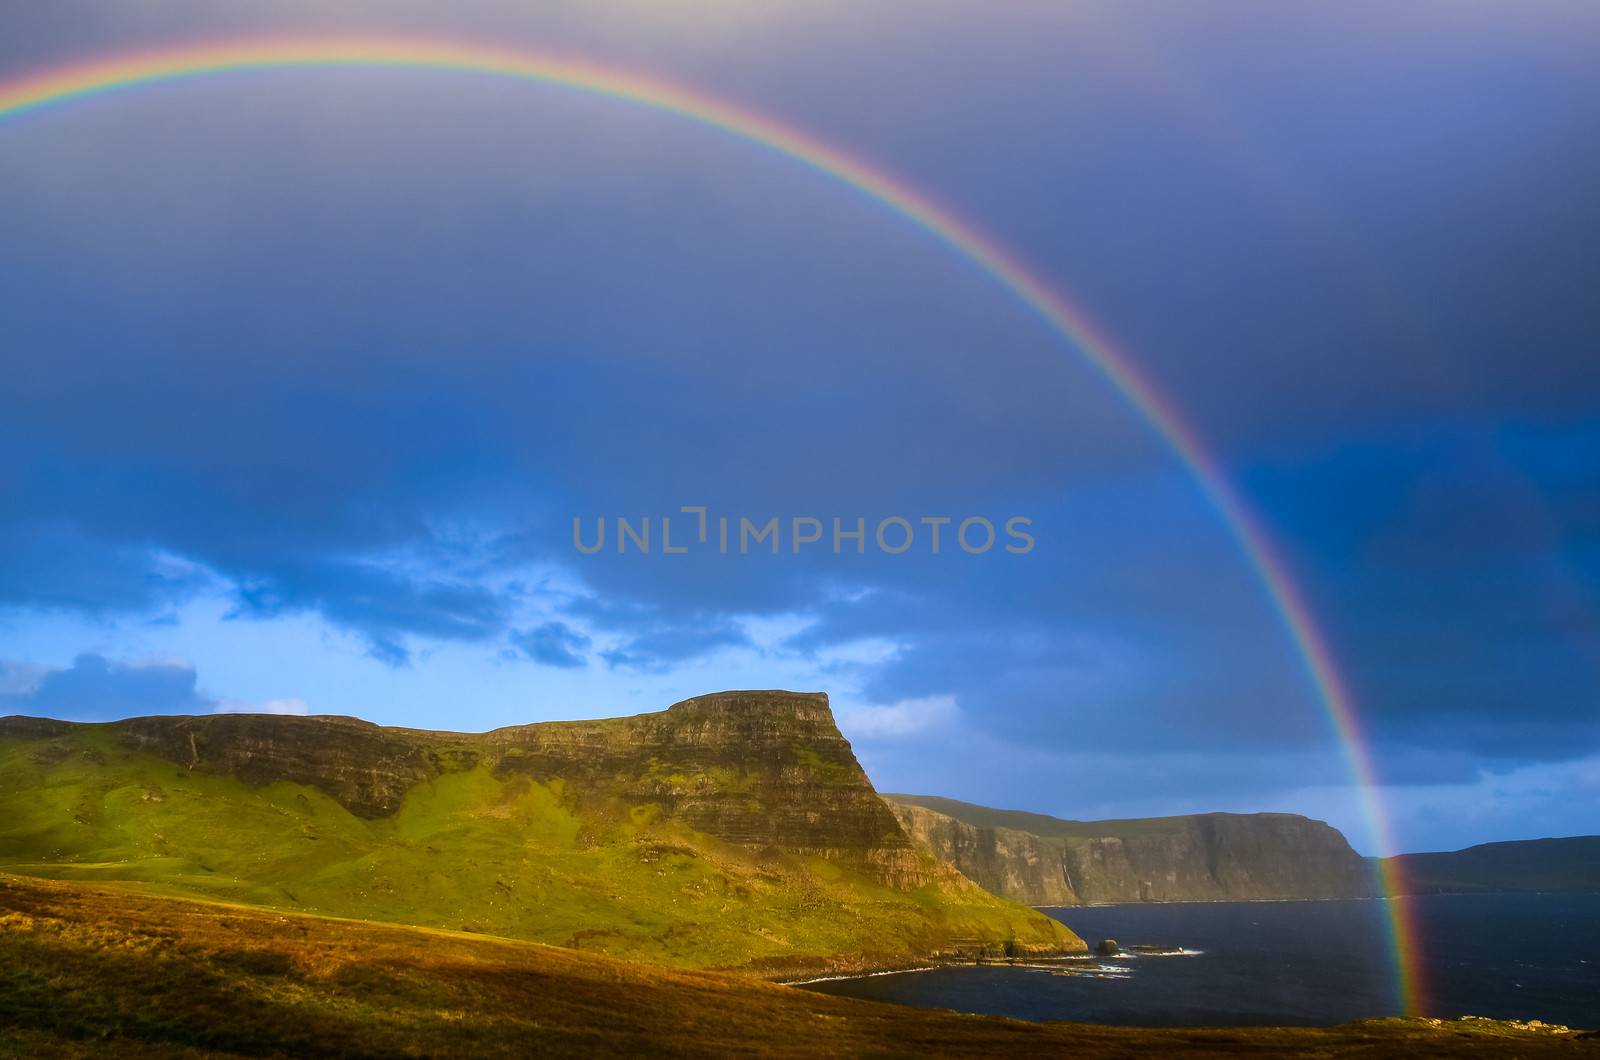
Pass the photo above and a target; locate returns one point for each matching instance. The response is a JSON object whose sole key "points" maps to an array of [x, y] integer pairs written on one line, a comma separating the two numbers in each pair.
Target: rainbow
{"points": [[107, 74]]}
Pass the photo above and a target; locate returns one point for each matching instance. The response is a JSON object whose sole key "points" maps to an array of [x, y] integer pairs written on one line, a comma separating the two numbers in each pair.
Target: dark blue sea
{"points": [[1289, 963]]}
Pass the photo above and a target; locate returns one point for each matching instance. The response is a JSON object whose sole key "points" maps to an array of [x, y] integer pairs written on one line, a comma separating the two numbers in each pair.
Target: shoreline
{"points": [[1040, 964], [1368, 898], [1225, 901], [818, 971]]}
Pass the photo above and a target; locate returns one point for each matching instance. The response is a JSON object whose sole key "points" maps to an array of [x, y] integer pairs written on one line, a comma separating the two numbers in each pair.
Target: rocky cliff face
{"points": [[1006, 861], [1048, 861], [366, 768], [753, 768]]}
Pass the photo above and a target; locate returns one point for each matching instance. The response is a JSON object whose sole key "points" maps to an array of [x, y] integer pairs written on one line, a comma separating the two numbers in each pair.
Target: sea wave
{"points": [[865, 975]]}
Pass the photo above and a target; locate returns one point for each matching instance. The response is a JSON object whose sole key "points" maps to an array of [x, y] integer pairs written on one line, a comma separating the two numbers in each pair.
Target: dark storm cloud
{"points": [[330, 395], [1457, 567], [324, 336], [56, 566], [382, 606], [95, 688]]}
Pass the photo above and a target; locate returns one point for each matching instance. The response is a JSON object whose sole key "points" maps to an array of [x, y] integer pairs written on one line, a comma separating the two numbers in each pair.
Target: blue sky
{"points": [[306, 375]]}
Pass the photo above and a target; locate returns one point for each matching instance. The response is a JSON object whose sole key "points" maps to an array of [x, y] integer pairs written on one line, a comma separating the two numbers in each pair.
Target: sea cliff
{"points": [[1048, 861]]}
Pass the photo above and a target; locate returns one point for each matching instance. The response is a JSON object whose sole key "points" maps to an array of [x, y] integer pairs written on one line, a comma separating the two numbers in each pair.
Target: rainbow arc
{"points": [[115, 73]]}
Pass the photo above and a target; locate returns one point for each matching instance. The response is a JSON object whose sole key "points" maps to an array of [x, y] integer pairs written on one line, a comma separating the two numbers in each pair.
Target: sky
{"points": [[305, 376]]}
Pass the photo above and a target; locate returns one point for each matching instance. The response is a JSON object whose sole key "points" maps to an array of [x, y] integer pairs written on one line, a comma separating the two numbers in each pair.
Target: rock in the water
{"points": [[1108, 948]]}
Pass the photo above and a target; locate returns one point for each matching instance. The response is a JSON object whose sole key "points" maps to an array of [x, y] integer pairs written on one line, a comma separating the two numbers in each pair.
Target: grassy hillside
{"points": [[101, 970], [1570, 865], [571, 861]]}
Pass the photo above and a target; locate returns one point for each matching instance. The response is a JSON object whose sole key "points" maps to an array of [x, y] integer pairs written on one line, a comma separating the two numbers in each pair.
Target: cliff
{"points": [[1020, 865], [1570, 865], [1045, 861], [729, 830], [754, 768]]}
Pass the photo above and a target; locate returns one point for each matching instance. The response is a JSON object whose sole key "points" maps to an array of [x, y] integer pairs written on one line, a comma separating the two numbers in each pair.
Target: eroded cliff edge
{"points": [[729, 830], [1047, 861]]}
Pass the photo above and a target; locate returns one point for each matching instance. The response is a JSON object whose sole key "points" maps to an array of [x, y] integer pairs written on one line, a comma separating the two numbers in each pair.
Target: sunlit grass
{"points": [[472, 851], [107, 969]]}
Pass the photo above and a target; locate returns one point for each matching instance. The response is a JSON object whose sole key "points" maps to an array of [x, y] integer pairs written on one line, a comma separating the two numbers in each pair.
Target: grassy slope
{"points": [[1570, 865], [468, 852], [92, 969]]}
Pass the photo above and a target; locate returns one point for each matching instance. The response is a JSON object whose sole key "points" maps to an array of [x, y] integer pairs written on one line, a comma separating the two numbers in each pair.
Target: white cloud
{"points": [[20, 678], [159, 662], [271, 706], [768, 632], [866, 651], [898, 721]]}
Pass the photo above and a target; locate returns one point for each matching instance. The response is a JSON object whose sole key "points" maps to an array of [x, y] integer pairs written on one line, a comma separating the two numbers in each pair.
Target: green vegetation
{"points": [[826, 770], [105, 970], [474, 851]]}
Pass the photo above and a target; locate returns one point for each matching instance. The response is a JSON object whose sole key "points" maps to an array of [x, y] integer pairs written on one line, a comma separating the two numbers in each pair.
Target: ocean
{"points": [[1288, 963]]}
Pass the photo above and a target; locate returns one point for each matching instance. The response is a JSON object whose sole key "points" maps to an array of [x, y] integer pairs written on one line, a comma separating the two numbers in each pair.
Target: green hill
{"points": [[734, 830], [1569, 865]]}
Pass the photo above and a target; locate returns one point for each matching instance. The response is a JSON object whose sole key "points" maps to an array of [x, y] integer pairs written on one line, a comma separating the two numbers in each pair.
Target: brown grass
{"points": [[91, 969]]}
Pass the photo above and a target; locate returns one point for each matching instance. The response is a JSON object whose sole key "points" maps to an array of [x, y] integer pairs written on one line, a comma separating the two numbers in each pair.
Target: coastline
{"points": [[365, 988], [792, 972], [1040, 962], [1281, 961], [1219, 901]]}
